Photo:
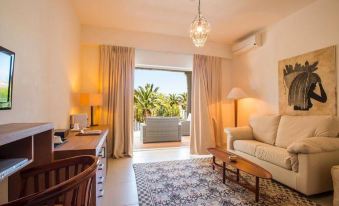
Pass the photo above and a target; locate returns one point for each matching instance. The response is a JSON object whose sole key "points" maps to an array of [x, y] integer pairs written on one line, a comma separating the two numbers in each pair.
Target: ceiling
{"points": [[230, 19]]}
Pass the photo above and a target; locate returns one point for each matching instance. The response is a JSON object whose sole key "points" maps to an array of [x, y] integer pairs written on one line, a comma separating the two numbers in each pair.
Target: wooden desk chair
{"points": [[66, 182]]}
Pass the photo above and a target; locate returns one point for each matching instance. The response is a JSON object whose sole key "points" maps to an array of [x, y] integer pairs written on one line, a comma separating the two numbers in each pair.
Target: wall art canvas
{"points": [[308, 82], [6, 78]]}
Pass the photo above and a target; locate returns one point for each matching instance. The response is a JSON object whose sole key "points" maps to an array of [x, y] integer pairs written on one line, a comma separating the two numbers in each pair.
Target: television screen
{"points": [[6, 78]]}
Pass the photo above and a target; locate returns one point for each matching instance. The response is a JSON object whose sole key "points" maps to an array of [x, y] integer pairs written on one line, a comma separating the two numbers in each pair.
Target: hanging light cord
{"points": [[199, 9]]}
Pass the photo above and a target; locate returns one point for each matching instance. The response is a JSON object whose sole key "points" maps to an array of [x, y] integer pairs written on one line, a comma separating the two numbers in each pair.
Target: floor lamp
{"points": [[236, 94]]}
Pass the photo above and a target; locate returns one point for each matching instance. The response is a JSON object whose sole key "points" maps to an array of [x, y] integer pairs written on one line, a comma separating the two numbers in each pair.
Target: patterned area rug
{"points": [[193, 182]]}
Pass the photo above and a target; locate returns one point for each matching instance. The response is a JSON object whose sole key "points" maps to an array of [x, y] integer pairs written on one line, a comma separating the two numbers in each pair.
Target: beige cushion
{"points": [[265, 128], [274, 155], [314, 145], [292, 128], [335, 177], [247, 146]]}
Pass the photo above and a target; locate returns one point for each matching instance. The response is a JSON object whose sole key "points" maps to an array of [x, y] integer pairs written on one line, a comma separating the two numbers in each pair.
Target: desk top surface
{"points": [[16, 131], [90, 142]]}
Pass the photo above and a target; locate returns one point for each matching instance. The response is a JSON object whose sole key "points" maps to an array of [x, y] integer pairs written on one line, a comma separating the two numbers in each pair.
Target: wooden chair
{"points": [[65, 182]]}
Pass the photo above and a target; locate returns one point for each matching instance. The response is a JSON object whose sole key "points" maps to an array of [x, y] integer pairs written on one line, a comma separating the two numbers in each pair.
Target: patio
{"points": [[139, 145]]}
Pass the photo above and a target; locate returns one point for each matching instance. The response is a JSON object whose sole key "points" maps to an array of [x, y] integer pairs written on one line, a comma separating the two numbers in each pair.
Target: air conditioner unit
{"points": [[247, 44]]}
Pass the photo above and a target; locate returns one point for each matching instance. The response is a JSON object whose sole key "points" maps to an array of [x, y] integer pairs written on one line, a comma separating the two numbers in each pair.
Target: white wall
{"points": [[311, 28], [89, 63], [150, 41], [45, 37], [165, 60]]}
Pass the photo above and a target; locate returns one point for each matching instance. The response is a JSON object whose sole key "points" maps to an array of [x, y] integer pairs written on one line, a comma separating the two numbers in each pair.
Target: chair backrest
{"points": [[64, 182], [162, 122]]}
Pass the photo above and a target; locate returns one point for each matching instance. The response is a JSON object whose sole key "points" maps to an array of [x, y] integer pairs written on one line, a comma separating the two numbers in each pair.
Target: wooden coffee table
{"points": [[243, 165]]}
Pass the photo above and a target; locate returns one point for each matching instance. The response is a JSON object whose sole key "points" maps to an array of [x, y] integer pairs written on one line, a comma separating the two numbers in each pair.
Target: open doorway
{"points": [[162, 107]]}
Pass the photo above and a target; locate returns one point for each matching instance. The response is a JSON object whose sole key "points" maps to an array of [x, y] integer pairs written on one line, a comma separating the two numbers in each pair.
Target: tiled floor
{"points": [[120, 187]]}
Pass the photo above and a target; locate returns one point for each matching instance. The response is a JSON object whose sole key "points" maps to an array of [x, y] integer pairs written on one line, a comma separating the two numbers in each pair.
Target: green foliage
{"points": [[3, 94], [145, 100], [183, 100], [173, 99], [149, 102], [4, 101]]}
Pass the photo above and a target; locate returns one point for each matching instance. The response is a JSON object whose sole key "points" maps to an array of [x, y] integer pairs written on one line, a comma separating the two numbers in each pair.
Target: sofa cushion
{"points": [[292, 128], [247, 146], [265, 128], [275, 155], [314, 145]]}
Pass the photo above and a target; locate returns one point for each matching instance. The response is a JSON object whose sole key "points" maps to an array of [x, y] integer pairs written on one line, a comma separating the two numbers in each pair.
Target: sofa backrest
{"points": [[265, 128], [292, 128], [158, 123]]}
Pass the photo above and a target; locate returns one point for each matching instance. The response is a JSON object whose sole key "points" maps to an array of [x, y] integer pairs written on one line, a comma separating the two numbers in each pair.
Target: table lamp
{"points": [[236, 94], [92, 100]]}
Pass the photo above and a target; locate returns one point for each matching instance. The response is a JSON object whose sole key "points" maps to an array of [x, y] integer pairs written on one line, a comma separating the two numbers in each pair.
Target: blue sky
{"points": [[168, 82]]}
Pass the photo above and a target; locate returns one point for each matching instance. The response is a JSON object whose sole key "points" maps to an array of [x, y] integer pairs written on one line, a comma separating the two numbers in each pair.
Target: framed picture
{"points": [[7, 58], [308, 82]]}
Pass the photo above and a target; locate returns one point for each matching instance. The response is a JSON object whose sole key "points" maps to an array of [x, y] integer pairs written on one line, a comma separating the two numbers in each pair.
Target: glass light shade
{"points": [[199, 31]]}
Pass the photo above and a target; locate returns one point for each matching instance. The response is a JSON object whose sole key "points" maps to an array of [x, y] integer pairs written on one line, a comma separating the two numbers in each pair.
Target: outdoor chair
{"points": [[161, 129]]}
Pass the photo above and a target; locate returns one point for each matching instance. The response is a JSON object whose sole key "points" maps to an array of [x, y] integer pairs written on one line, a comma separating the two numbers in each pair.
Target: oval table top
{"points": [[241, 164]]}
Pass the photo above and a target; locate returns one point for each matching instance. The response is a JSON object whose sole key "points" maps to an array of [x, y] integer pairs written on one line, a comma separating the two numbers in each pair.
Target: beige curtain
{"points": [[206, 104], [116, 85]]}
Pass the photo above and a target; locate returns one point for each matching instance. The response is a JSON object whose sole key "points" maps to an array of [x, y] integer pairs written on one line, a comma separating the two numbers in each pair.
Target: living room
{"points": [[264, 102]]}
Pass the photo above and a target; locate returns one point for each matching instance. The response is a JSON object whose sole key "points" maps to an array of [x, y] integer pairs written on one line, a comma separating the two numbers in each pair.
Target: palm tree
{"points": [[145, 99], [161, 105], [173, 99], [183, 100]]}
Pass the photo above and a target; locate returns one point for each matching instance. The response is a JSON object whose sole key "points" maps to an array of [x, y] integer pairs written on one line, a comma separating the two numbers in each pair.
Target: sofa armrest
{"points": [[335, 178], [179, 132], [314, 174], [143, 131], [237, 133]]}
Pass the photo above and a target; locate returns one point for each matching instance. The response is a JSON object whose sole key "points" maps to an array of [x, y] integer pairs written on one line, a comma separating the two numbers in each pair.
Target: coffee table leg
{"points": [[223, 172], [256, 189], [238, 175], [213, 164]]}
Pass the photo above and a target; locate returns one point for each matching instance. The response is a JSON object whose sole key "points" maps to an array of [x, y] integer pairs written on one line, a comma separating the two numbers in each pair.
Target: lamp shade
{"points": [[90, 99], [236, 93]]}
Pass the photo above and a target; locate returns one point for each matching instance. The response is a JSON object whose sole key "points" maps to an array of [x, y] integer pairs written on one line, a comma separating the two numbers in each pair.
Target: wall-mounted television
{"points": [[6, 78]]}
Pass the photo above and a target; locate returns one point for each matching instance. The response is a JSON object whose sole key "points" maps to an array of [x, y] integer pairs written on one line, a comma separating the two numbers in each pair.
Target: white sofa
{"points": [[299, 151], [335, 176]]}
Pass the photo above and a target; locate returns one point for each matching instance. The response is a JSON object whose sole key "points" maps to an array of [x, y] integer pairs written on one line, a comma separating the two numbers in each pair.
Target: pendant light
{"points": [[199, 29]]}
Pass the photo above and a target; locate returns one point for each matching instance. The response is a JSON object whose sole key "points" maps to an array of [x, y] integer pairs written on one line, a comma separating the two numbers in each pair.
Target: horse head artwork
{"points": [[302, 81]]}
